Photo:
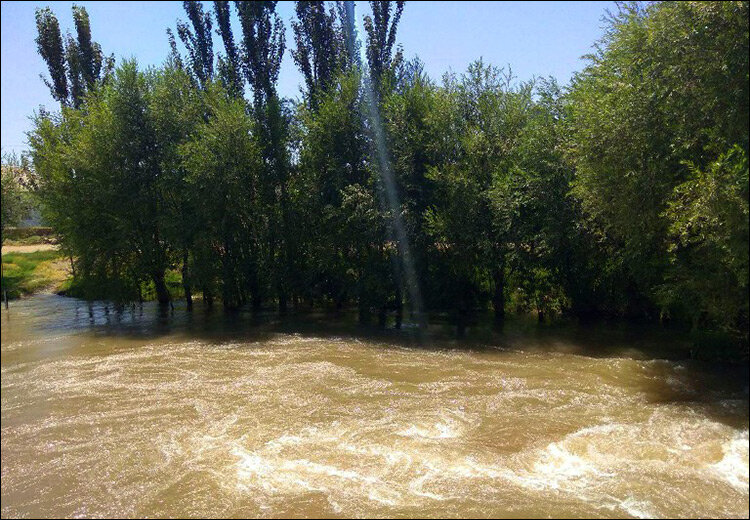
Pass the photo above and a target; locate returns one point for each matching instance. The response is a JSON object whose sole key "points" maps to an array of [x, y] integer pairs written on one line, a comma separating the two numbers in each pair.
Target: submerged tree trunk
{"points": [[362, 300], [399, 307], [382, 316], [286, 268], [498, 297], [208, 297], [160, 285], [364, 312], [186, 281], [256, 300], [461, 317]]}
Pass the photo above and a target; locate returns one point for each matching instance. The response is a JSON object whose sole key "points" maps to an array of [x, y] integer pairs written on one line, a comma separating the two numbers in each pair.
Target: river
{"points": [[137, 413]]}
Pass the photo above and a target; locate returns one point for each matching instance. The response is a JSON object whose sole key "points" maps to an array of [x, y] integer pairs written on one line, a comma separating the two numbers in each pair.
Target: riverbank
{"points": [[29, 248], [32, 269]]}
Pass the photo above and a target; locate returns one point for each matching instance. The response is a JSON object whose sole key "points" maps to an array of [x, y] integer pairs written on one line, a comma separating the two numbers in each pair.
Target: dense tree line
{"points": [[624, 193]]}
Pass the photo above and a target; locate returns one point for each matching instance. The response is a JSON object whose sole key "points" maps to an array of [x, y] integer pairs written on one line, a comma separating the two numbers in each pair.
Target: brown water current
{"points": [[137, 414]]}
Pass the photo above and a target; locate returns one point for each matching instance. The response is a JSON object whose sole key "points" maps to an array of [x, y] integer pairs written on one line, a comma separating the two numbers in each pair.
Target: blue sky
{"points": [[534, 38]]}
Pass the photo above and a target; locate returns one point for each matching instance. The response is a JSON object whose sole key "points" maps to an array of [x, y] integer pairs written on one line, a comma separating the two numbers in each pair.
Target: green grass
{"points": [[25, 273]]}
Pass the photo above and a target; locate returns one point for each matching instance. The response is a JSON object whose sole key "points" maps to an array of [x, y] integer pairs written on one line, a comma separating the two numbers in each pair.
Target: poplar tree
{"points": [[320, 52], [381, 30], [263, 47], [50, 46], [198, 41], [229, 66], [75, 64]]}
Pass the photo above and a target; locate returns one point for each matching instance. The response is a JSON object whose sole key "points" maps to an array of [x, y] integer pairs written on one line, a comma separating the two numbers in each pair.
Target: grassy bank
{"points": [[26, 273], [13, 236]]}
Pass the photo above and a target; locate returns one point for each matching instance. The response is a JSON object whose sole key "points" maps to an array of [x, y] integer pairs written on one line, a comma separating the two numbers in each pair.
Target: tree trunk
{"points": [[362, 302], [382, 317], [256, 298], [160, 285], [498, 297], [399, 308], [208, 297], [186, 281], [461, 322], [257, 302]]}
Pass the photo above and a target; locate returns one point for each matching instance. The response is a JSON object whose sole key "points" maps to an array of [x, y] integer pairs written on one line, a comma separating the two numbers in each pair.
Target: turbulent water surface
{"points": [[112, 414]]}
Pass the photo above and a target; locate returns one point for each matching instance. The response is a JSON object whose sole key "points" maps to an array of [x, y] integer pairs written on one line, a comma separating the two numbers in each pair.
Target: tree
{"points": [[263, 47], [177, 108], [381, 37], [478, 185], [99, 173], [75, 65], [666, 88], [708, 224], [320, 52], [50, 46], [332, 168], [409, 113], [89, 55], [224, 166], [15, 203], [230, 65], [198, 41], [533, 211]]}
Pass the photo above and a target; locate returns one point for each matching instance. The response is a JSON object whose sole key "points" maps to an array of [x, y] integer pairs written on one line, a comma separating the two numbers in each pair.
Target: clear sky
{"points": [[534, 38]]}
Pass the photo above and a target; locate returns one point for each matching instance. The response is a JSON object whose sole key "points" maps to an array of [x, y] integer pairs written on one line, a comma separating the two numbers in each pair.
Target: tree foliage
{"points": [[75, 64], [198, 41], [15, 202], [320, 51], [624, 193]]}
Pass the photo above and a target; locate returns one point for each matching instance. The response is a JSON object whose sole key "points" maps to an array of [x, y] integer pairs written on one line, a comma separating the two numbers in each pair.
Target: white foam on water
{"points": [[415, 487], [377, 495], [284, 440], [558, 468], [733, 467], [638, 508], [275, 475], [449, 425], [444, 430]]}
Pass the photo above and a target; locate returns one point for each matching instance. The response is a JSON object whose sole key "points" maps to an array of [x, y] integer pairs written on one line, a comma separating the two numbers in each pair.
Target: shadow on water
{"points": [[666, 374]]}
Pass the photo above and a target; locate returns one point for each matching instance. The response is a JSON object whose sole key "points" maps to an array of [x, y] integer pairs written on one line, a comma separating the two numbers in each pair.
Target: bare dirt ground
{"points": [[29, 248]]}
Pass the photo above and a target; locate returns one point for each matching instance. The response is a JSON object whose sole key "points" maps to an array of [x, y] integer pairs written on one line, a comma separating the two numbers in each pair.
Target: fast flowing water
{"points": [[137, 414]]}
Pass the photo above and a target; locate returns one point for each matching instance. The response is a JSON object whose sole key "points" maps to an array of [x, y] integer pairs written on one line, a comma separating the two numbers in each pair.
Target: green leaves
{"points": [[75, 66], [658, 120], [708, 216], [15, 202], [625, 193]]}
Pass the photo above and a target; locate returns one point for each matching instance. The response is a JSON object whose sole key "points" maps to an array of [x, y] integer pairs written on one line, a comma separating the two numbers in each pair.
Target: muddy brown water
{"points": [[136, 413]]}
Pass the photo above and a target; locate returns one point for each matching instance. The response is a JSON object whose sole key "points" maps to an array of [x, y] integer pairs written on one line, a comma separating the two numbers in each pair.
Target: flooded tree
{"points": [[623, 193]]}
